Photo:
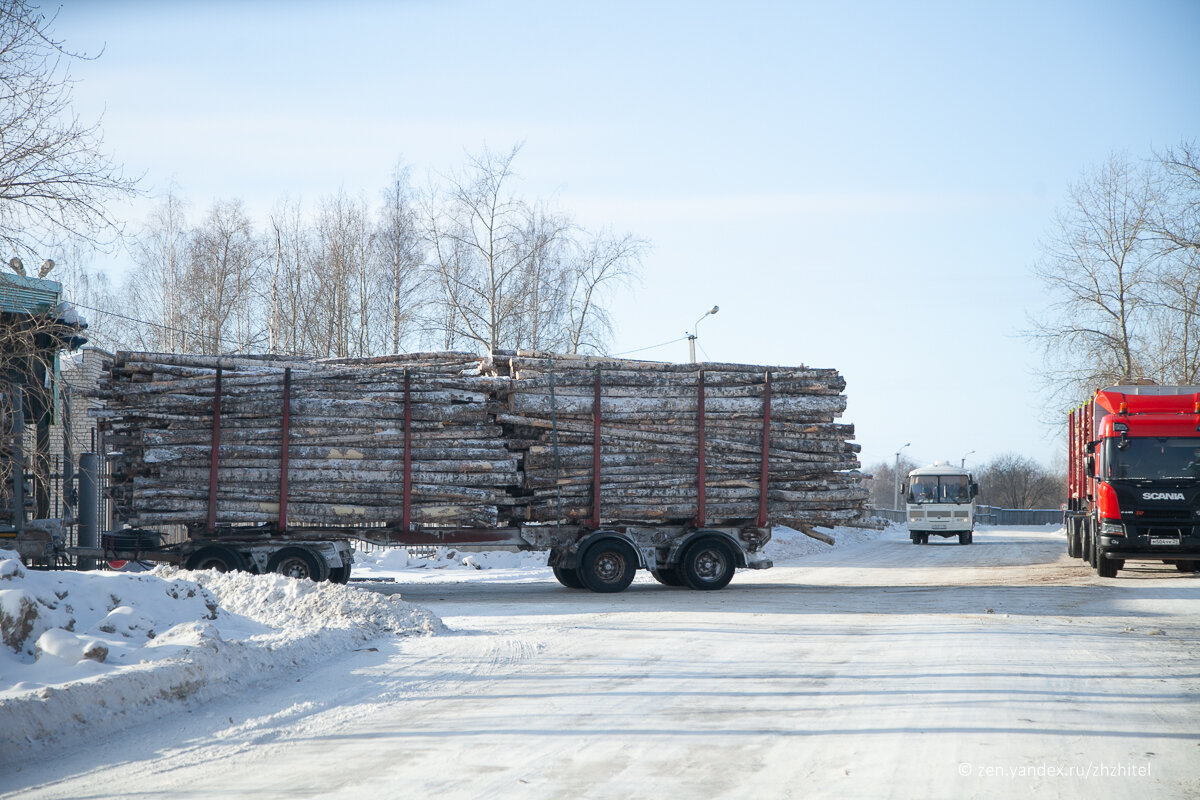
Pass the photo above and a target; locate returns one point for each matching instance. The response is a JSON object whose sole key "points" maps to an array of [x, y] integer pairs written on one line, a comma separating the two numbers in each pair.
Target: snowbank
{"points": [[86, 651], [788, 545]]}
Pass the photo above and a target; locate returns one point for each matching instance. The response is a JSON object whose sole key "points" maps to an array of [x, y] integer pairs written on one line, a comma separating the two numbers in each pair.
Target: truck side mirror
{"points": [[1091, 466]]}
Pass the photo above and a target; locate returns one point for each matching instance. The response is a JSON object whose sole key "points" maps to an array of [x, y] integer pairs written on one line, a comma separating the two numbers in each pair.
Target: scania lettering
{"points": [[1133, 478]]}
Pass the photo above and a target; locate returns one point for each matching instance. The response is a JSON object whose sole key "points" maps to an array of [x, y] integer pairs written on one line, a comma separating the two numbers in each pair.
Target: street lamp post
{"points": [[963, 463], [896, 500], [692, 336]]}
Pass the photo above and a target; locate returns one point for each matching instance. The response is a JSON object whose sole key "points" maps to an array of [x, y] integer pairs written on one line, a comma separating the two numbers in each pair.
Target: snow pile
{"points": [[398, 559], [84, 650], [788, 545]]}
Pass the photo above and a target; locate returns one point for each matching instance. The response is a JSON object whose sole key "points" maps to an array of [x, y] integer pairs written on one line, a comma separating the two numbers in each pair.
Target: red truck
{"points": [[1133, 478]]}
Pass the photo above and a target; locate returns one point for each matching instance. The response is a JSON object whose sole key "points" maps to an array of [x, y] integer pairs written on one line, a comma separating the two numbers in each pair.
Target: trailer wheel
{"points": [[707, 564], [568, 577], [218, 557], [668, 576], [608, 566], [299, 563]]}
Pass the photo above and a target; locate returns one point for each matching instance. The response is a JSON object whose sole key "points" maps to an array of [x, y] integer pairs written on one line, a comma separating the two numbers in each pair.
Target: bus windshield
{"points": [[939, 489], [1153, 458]]}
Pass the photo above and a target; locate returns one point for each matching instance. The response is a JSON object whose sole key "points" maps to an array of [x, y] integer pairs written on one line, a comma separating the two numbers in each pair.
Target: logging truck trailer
{"points": [[1133, 478], [940, 501], [601, 559]]}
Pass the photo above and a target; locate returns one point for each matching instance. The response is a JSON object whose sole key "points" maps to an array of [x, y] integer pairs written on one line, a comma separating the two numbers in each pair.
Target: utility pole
{"points": [[692, 336], [896, 476]]}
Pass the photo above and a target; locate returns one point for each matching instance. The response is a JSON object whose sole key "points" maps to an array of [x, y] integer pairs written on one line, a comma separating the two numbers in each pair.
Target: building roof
{"points": [[20, 295]]}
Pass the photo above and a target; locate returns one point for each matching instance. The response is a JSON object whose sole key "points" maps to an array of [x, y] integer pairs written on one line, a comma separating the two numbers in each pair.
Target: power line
{"points": [[152, 324], [652, 347]]}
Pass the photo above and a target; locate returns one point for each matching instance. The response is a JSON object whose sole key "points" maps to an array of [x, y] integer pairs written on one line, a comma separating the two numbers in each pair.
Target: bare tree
{"points": [[400, 248], [605, 261], [482, 250], [156, 285], [54, 177], [1014, 481], [345, 279], [882, 481], [1099, 264], [225, 261]]}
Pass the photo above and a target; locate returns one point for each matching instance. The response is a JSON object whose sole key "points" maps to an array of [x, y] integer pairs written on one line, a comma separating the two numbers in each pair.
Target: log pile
{"points": [[650, 434], [346, 440], [494, 442]]}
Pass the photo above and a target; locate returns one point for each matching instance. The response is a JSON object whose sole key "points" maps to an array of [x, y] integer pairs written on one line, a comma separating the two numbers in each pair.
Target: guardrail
{"points": [[990, 515]]}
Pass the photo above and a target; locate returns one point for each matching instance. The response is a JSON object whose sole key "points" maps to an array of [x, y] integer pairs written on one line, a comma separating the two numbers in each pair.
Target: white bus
{"points": [[941, 502]]}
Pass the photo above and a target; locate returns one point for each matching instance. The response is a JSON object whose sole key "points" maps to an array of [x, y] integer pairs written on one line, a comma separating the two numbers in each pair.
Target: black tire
{"points": [[568, 577], [916, 538], [298, 562], [964, 538], [707, 564], [608, 566], [1106, 567], [924, 538], [668, 576], [339, 575], [1073, 547], [218, 557], [1187, 566]]}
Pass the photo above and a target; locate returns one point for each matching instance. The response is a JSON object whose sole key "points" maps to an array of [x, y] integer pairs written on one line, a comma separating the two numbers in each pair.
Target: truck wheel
{"points": [[1106, 567], [568, 577], [1073, 539], [916, 538], [668, 576], [608, 566], [707, 564], [1187, 566], [218, 557], [339, 575], [298, 562], [964, 538]]}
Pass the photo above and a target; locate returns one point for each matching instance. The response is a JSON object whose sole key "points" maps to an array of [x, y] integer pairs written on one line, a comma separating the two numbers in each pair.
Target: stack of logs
{"points": [[494, 442], [650, 435], [345, 460]]}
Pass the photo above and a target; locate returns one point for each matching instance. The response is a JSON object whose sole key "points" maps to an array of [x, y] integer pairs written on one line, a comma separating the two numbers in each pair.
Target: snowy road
{"points": [[1000, 669]]}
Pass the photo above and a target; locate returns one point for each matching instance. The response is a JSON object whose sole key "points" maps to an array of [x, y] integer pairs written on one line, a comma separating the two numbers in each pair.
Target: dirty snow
{"points": [[96, 650]]}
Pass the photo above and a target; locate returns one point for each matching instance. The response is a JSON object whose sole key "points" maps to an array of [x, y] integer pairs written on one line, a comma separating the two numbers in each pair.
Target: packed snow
{"points": [[870, 668], [96, 650], [86, 651]]}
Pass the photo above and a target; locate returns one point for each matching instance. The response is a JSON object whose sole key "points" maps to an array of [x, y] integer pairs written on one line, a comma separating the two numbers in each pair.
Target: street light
{"points": [[896, 501], [692, 336], [963, 464]]}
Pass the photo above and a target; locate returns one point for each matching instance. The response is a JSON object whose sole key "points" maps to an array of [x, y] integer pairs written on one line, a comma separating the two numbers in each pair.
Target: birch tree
{"points": [[55, 179]]}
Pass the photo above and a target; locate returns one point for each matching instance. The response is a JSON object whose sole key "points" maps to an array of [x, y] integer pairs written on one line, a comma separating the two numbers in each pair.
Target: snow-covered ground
{"points": [[873, 668]]}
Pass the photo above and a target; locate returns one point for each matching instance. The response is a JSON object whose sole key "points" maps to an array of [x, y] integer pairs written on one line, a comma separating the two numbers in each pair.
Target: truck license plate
{"points": [[1163, 541]]}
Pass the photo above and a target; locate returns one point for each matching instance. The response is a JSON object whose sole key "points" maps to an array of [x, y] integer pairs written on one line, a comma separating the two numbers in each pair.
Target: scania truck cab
{"points": [[1134, 478], [941, 502]]}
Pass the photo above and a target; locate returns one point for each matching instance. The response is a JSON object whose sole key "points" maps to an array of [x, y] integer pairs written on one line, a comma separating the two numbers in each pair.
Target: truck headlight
{"points": [[1112, 528]]}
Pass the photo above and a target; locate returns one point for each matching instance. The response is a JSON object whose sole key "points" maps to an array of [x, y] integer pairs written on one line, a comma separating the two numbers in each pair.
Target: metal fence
{"points": [[990, 515]]}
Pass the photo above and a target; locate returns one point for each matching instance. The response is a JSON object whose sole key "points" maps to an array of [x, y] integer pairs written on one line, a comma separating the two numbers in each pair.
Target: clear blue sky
{"points": [[858, 185]]}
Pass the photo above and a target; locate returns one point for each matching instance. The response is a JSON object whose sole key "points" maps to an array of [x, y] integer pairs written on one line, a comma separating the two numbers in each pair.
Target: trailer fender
{"points": [[738, 549], [571, 556]]}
